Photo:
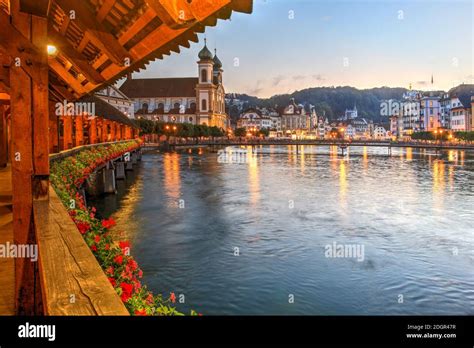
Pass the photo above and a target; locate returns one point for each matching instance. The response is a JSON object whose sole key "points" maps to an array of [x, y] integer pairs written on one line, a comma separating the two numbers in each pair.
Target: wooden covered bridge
{"points": [[59, 52]]}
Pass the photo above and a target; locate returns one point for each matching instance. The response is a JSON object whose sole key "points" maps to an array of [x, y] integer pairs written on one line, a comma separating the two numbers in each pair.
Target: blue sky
{"points": [[288, 45]]}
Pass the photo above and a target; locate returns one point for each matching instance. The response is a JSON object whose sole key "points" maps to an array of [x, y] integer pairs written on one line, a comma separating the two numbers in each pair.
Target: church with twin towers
{"points": [[195, 100]]}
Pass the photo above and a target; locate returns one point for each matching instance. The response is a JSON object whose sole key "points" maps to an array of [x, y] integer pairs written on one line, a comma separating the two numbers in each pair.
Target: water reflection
{"points": [[171, 172], [400, 210]]}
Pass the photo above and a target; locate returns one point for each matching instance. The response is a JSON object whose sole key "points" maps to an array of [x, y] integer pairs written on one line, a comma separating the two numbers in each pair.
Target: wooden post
{"points": [[128, 133], [93, 131], [105, 131], [53, 130], [67, 132], [3, 137], [79, 130], [30, 164], [112, 131]]}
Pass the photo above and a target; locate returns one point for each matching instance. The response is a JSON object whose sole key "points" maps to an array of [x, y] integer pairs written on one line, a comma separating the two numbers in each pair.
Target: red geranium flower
{"points": [[126, 291], [97, 239], [108, 223], [93, 247], [132, 264], [112, 281], [83, 226], [125, 246], [172, 297], [118, 259], [140, 312]]}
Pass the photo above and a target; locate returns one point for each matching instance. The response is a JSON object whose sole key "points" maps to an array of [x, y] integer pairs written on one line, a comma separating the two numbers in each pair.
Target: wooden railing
{"points": [[70, 278], [72, 282], [66, 153]]}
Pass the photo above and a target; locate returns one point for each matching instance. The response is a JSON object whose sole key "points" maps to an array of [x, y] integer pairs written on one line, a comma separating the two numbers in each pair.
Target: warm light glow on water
{"points": [[172, 180], [412, 212], [409, 153]]}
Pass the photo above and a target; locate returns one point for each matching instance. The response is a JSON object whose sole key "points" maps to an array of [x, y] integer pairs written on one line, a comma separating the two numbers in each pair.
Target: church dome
{"points": [[205, 53], [217, 62]]}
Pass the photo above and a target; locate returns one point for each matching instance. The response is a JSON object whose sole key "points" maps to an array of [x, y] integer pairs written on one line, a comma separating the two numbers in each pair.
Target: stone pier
{"points": [[109, 178], [120, 170]]}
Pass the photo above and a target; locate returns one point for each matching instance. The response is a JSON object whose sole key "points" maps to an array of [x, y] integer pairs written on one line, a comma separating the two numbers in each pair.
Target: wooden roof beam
{"points": [[74, 83], [74, 57], [104, 10], [204, 8], [38, 8], [244, 6], [96, 32], [175, 14]]}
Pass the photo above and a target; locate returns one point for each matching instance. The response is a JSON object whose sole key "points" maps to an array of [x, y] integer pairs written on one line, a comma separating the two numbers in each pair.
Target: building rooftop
{"points": [[160, 87]]}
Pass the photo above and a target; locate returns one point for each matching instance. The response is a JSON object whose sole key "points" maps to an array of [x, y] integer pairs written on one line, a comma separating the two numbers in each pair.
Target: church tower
{"points": [[220, 118], [205, 86]]}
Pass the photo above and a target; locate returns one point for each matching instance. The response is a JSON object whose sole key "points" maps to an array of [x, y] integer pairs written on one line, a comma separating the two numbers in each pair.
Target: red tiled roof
{"points": [[160, 87]]}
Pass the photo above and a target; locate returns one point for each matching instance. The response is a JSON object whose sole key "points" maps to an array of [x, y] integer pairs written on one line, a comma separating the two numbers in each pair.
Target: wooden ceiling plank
{"points": [[175, 14], [64, 25], [67, 77], [104, 10], [74, 57], [137, 26], [97, 33], [35, 7]]}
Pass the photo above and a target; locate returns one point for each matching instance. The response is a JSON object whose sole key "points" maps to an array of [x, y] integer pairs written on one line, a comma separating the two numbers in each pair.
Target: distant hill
{"points": [[330, 101], [463, 92]]}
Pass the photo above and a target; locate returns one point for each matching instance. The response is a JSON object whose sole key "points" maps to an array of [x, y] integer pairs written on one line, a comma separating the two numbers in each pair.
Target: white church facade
{"points": [[196, 100]]}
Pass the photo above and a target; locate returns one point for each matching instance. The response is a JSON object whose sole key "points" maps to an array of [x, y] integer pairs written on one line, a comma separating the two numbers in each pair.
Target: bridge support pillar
{"points": [[109, 179], [120, 170], [129, 165]]}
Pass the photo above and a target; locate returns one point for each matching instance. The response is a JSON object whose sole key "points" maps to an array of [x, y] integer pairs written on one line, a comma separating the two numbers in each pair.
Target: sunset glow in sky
{"points": [[288, 45]]}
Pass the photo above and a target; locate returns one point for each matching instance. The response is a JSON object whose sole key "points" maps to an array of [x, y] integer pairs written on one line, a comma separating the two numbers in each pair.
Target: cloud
{"points": [[326, 18], [277, 79], [318, 77], [255, 90], [422, 83], [299, 77]]}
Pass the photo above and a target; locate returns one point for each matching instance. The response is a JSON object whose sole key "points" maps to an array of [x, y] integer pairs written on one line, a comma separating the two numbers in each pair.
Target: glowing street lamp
{"points": [[52, 51]]}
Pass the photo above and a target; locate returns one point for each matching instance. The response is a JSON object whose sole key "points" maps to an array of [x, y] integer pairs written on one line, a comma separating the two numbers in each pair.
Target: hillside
{"points": [[330, 101]]}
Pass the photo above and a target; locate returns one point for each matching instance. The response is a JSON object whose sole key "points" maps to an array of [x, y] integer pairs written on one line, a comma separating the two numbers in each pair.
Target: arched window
{"points": [[191, 119], [203, 105], [145, 107], [161, 106], [193, 106], [203, 75]]}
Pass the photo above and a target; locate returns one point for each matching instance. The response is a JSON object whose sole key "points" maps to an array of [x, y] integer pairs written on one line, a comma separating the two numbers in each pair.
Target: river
{"points": [[256, 237]]}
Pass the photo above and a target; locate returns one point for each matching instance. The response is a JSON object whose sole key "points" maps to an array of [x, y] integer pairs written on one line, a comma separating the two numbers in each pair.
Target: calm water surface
{"points": [[412, 212]]}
